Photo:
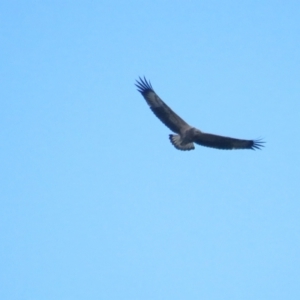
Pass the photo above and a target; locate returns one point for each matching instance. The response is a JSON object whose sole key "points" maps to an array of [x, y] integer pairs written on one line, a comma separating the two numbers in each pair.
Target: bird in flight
{"points": [[187, 135]]}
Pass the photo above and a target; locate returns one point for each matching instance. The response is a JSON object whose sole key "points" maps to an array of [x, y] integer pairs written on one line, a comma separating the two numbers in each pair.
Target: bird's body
{"points": [[187, 135]]}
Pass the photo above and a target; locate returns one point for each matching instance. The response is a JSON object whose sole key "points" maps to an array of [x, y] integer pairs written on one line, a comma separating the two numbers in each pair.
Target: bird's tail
{"points": [[177, 143]]}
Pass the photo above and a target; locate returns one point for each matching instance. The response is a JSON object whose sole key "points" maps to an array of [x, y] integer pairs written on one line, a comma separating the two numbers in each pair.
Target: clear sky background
{"points": [[95, 201]]}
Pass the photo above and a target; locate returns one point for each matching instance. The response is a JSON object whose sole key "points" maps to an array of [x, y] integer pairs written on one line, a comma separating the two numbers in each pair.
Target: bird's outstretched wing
{"points": [[225, 143], [159, 108]]}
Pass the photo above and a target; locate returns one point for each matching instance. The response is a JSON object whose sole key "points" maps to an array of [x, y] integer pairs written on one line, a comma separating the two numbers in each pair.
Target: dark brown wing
{"points": [[159, 108], [225, 143]]}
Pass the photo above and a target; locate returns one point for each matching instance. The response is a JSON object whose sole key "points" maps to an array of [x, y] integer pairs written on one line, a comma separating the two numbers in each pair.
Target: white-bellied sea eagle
{"points": [[187, 135]]}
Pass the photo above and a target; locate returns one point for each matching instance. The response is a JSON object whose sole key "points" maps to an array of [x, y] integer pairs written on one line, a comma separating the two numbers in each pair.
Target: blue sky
{"points": [[96, 202]]}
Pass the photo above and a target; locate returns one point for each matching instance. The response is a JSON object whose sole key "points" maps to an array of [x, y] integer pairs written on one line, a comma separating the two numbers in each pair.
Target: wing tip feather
{"points": [[257, 144], [143, 85]]}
